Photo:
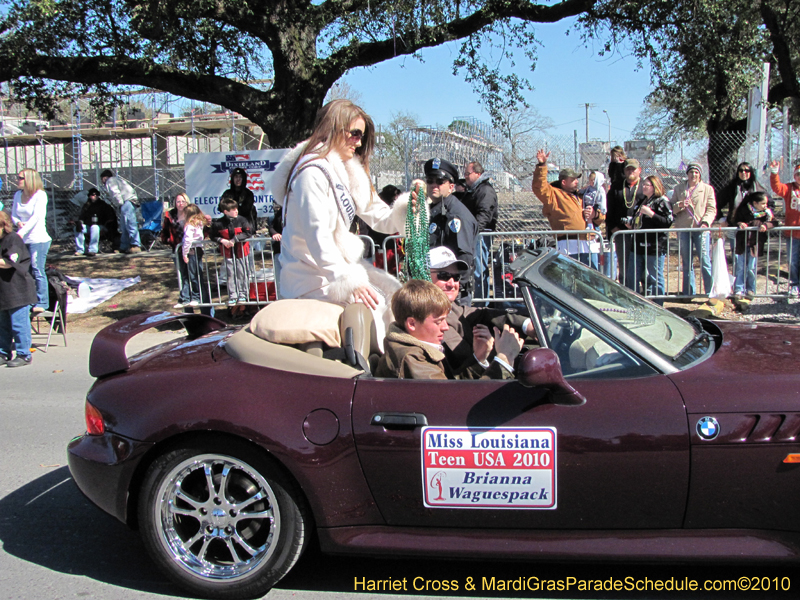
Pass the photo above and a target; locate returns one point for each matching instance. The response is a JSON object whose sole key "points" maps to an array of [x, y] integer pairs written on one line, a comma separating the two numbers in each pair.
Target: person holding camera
{"points": [[623, 198], [650, 249]]}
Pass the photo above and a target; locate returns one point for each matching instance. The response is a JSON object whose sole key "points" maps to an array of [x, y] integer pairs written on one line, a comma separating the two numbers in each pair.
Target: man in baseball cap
{"points": [[451, 223], [564, 209]]}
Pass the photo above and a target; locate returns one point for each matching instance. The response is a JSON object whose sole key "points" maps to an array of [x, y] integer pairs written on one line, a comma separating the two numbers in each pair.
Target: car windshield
{"points": [[665, 332]]}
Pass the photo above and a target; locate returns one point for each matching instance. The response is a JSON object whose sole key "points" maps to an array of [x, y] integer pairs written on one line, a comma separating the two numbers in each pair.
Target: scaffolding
{"points": [[146, 144]]}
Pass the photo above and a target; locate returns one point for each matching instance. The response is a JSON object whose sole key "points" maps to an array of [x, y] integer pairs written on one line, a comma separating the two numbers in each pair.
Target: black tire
{"points": [[236, 540]]}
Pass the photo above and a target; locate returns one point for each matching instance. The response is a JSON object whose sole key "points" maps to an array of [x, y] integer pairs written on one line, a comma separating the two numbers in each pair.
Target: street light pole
{"points": [[609, 128]]}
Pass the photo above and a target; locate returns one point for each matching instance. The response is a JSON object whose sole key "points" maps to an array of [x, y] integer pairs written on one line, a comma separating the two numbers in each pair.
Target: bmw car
{"points": [[627, 433]]}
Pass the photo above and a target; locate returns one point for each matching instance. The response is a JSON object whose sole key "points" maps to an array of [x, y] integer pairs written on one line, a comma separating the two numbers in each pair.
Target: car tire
{"points": [[221, 520]]}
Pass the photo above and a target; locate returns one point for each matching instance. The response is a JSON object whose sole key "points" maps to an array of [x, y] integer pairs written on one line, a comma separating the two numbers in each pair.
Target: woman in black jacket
{"points": [[17, 294], [650, 249], [731, 196]]}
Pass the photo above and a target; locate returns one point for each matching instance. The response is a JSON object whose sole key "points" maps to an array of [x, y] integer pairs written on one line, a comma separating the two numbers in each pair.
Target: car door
{"points": [[499, 455]]}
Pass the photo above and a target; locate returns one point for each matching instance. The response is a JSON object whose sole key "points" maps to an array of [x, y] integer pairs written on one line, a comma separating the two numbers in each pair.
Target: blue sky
{"points": [[567, 76]]}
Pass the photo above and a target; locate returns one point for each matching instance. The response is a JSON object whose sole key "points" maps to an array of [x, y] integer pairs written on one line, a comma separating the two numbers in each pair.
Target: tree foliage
{"points": [[704, 54], [209, 50]]}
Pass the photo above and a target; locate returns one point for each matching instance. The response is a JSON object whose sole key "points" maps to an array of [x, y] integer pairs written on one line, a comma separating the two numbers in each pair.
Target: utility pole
{"points": [[609, 129], [588, 106]]}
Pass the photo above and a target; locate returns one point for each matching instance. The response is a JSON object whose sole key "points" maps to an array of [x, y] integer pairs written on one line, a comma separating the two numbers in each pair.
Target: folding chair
{"points": [[152, 213], [51, 317]]}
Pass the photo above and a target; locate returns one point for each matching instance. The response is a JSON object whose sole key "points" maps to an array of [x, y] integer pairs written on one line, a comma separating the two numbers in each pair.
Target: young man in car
{"points": [[413, 347], [446, 274]]}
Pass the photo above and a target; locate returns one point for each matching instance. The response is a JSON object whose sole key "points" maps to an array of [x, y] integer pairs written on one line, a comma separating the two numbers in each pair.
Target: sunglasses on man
{"points": [[445, 276], [435, 180]]}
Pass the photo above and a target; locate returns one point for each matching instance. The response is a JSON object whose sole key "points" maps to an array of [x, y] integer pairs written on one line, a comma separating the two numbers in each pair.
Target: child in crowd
{"points": [[231, 231], [752, 212], [192, 247], [17, 294], [616, 171], [413, 346], [594, 196]]}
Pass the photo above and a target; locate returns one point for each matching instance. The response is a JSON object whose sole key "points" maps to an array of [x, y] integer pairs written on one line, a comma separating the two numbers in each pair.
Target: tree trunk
{"points": [[723, 153]]}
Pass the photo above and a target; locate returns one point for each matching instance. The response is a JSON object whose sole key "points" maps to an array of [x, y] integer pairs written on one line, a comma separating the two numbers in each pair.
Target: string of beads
{"points": [[417, 243]]}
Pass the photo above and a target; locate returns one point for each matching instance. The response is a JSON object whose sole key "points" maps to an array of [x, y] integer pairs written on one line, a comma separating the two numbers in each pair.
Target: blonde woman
{"points": [[29, 215]]}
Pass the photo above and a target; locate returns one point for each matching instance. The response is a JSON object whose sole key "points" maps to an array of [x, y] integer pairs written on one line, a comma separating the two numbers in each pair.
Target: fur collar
{"points": [[351, 173], [398, 335]]}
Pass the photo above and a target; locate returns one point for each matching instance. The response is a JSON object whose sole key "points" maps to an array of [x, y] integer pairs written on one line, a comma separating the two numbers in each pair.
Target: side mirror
{"points": [[540, 367]]}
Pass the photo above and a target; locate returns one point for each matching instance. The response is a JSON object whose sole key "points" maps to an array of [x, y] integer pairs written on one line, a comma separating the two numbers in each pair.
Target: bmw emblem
{"points": [[708, 428]]}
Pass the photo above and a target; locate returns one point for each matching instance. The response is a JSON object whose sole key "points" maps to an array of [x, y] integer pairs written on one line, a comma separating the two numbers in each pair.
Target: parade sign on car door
{"points": [[208, 175], [489, 468]]}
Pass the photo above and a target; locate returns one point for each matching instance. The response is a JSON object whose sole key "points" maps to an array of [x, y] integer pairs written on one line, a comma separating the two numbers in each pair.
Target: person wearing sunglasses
{"points": [[451, 223], [448, 273], [730, 197], [322, 185]]}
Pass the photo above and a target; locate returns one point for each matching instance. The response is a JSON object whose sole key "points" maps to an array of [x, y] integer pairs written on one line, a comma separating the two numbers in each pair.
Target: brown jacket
{"points": [[405, 357], [563, 210]]}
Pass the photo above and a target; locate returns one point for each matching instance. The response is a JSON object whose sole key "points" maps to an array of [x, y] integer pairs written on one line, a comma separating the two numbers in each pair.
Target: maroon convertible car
{"points": [[629, 432]]}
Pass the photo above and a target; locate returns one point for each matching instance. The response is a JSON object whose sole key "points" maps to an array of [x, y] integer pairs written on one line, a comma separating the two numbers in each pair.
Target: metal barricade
{"points": [[495, 285], [215, 280], [251, 280], [659, 274]]}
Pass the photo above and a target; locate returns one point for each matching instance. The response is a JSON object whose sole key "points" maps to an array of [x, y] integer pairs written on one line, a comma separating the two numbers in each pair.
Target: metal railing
{"points": [[256, 277], [772, 270], [247, 281]]}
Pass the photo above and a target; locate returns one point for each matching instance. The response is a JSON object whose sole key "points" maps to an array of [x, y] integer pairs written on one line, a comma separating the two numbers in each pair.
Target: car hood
{"points": [[755, 369]]}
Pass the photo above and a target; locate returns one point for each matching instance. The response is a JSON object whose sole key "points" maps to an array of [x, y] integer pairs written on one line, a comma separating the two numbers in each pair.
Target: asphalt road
{"points": [[56, 545]]}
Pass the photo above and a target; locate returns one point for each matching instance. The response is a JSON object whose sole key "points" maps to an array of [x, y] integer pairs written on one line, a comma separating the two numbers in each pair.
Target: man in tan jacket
{"points": [[694, 205], [564, 209]]}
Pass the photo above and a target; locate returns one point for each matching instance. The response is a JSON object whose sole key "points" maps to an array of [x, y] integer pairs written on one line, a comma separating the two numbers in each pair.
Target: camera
{"points": [[627, 221]]}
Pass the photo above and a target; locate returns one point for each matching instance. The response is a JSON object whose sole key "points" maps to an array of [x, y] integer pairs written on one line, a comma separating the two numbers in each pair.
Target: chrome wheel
{"points": [[219, 517]]}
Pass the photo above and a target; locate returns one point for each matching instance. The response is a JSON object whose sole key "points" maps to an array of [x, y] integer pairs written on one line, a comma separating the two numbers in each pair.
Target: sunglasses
{"points": [[355, 134], [445, 276], [745, 171], [20, 177], [435, 180]]}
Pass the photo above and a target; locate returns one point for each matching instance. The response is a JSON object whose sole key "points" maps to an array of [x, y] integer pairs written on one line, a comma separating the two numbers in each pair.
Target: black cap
{"points": [[438, 167], [93, 191]]}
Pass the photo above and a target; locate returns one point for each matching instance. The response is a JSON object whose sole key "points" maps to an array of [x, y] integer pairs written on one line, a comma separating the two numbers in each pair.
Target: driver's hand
{"points": [[482, 342], [507, 343]]}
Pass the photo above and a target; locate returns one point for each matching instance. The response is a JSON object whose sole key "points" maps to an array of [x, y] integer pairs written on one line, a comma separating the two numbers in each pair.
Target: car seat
{"points": [[359, 339]]}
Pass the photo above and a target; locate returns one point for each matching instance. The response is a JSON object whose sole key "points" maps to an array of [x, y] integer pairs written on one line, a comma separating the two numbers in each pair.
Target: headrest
{"points": [[299, 322]]}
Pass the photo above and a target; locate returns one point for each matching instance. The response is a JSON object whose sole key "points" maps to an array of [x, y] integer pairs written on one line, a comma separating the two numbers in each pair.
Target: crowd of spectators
{"points": [[632, 202]]}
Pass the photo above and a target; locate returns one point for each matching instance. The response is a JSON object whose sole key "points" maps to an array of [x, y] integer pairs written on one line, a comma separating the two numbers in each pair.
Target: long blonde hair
{"points": [[33, 183], [332, 121]]}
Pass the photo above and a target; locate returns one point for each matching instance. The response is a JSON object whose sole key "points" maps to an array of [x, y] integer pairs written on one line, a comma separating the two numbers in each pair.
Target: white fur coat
{"points": [[319, 257]]}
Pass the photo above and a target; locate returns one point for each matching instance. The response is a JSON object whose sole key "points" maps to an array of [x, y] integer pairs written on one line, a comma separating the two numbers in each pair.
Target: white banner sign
{"points": [[208, 175], [489, 468]]}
